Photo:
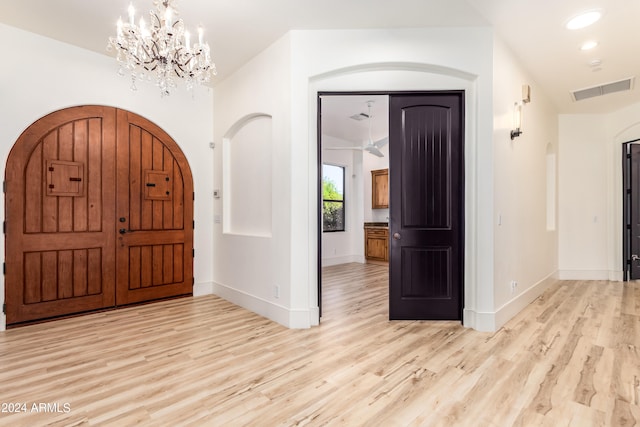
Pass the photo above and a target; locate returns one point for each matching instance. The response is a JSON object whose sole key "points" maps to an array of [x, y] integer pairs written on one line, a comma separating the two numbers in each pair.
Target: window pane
{"points": [[333, 198], [332, 182], [333, 216]]}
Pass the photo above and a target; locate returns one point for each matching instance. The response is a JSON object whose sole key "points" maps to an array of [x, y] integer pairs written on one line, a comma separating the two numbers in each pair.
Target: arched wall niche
{"points": [[247, 193]]}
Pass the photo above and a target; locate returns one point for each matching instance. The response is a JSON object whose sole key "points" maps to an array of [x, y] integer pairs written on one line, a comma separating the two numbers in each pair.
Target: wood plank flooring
{"points": [[572, 358]]}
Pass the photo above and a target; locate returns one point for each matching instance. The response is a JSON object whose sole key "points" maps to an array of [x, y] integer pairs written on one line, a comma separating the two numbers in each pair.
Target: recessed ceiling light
{"points": [[589, 45], [584, 19]]}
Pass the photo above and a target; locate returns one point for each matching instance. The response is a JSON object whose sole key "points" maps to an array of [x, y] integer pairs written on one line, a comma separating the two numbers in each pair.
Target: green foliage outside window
{"points": [[333, 198]]}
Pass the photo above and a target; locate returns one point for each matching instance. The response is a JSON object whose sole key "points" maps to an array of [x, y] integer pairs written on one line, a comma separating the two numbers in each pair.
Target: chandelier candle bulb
{"points": [[200, 35], [132, 13], [167, 17], [187, 41]]}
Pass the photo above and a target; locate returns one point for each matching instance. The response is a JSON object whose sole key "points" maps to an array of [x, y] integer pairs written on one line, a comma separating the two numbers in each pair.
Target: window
{"points": [[332, 198]]}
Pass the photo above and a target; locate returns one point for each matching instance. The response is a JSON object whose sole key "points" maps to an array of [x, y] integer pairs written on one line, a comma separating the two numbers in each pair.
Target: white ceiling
{"points": [[535, 31], [239, 29], [337, 121]]}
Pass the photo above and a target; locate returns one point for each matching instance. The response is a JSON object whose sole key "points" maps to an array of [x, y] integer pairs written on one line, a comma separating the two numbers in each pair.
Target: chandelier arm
{"points": [[155, 50], [132, 55], [156, 24], [146, 52]]}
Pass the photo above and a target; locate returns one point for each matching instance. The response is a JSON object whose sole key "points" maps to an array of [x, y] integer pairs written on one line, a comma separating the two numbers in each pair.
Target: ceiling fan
{"points": [[371, 146]]}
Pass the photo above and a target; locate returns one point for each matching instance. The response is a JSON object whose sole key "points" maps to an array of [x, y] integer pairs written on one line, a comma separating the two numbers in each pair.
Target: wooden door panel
{"points": [[156, 265], [60, 243], [426, 173], [155, 203], [426, 272], [58, 275], [65, 214], [427, 210]]}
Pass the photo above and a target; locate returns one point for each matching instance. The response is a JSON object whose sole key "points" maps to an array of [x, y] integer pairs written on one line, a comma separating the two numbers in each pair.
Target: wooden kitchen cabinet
{"points": [[380, 189], [376, 243]]}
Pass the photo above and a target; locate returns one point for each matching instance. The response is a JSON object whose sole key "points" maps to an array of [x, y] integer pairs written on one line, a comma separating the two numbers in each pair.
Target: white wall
{"points": [[583, 197], [45, 75], [283, 81], [525, 250], [347, 246], [393, 60], [253, 269], [276, 275], [247, 176], [590, 199]]}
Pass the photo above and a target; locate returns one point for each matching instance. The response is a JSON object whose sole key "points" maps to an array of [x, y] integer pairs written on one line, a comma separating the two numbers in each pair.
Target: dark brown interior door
{"points": [[155, 214], [59, 210], [634, 215], [426, 155], [66, 176]]}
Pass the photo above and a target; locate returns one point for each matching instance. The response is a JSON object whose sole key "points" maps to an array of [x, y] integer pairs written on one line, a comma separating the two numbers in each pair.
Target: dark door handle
{"points": [[123, 230], [397, 236]]}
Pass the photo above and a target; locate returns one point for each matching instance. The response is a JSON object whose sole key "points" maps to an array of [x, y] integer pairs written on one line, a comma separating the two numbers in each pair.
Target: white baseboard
{"points": [[492, 321], [480, 321], [200, 289], [314, 316], [290, 318], [612, 275], [294, 319], [520, 302], [346, 259]]}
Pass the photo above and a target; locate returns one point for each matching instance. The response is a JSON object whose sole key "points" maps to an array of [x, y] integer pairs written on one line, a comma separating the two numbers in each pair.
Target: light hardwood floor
{"points": [[572, 358]]}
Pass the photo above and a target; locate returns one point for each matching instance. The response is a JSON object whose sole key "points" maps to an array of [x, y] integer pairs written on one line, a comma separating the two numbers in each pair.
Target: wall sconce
{"points": [[517, 111], [517, 121]]}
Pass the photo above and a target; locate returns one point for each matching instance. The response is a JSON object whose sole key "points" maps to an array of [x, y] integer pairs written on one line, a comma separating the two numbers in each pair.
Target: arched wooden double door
{"points": [[99, 213]]}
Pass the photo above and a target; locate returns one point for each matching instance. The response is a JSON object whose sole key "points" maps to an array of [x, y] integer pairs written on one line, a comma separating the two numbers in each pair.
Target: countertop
{"points": [[376, 225]]}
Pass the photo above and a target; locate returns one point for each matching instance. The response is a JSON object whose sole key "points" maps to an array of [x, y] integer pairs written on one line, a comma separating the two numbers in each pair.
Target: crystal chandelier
{"points": [[161, 50]]}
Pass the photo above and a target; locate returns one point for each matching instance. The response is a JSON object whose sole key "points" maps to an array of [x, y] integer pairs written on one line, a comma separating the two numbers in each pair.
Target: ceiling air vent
{"points": [[590, 92], [359, 117]]}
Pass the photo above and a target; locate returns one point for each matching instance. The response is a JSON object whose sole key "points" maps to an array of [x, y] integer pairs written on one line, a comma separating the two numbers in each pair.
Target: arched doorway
{"points": [[99, 214]]}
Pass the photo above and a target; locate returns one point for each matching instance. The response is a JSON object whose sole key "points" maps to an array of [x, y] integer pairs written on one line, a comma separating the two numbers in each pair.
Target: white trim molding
{"points": [[290, 318], [492, 321], [615, 276], [345, 259]]}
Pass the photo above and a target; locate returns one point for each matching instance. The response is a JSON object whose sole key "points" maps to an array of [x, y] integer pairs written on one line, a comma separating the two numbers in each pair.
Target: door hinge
{"points": [[4, 227], [194, 225], [4, 186], [193, 281], [4, 268], [193, 253], [194, 195], [4, 308]]}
